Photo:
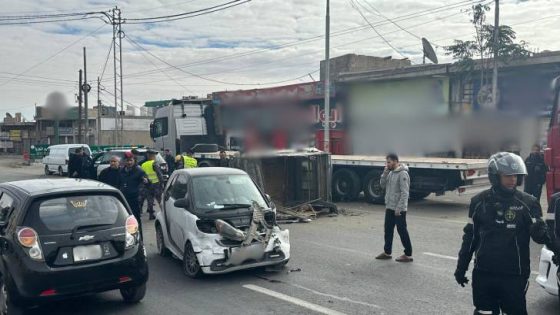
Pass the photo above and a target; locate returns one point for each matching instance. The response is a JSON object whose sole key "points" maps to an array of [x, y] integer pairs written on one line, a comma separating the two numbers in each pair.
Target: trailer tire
{"points": [[372, 188], [346, 185], [418, 195]]}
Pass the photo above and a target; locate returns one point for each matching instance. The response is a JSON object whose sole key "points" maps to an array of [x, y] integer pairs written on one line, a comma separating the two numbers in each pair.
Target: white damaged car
{"points": [[216, 220]]}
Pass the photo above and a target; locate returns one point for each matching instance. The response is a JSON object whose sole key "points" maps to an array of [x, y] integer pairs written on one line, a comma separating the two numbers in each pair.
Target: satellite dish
{"points": [[428, 51]]}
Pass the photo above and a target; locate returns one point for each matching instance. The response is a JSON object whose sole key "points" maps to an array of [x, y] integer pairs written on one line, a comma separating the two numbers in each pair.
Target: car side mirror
{"points": [[182, 203]]}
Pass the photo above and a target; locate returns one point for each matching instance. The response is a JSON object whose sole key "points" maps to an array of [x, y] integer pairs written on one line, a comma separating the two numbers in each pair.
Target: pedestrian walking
{"points": [[111, 175], [131, 178], [536, 172], [396, 182], [224, 160], [170, 160], [502, 220], [189, 161], [152, 188]]}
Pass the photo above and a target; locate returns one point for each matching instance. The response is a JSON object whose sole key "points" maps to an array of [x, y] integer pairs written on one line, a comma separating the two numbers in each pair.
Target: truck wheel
{"points": [[346, 185], [372, 188], [418, 195]]}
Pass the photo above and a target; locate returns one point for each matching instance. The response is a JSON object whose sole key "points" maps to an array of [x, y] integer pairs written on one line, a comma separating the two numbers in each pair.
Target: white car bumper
{"points": [[215, 257], [548, 278]]}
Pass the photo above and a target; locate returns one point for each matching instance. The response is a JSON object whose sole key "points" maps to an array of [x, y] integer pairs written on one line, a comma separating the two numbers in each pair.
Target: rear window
{"points": [[73, 150], [66, 213]]}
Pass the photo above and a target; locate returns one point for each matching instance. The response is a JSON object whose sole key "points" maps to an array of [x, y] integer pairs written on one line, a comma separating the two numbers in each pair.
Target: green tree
{"points": [[482, 46]]}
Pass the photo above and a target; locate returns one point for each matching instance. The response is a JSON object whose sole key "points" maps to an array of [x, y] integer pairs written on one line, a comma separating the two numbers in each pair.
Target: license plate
{"points": [[90, 252]]}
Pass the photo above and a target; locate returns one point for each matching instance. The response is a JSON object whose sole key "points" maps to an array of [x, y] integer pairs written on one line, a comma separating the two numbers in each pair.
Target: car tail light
{"points": [[132, 234], [29, 239], [49, 292], [462, 190], [124, 279]]}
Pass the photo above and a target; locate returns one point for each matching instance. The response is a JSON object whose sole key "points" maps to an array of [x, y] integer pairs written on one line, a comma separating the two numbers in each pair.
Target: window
{"points": [[160, 127], [216, 192], [66, 213], [179, 188], [6, 205]]}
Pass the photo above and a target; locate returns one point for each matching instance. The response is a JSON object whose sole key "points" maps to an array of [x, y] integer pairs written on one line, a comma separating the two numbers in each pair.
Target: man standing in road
{"points": [[111, 175], [189, 160], [132, 177], [396, 182], [170, 160], [224, 160], [75, 163], [152, 188], [536, 172], [502, 220]]}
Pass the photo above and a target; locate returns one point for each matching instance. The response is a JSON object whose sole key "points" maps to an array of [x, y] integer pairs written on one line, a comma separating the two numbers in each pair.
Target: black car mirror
{"points": [[182, 203]]}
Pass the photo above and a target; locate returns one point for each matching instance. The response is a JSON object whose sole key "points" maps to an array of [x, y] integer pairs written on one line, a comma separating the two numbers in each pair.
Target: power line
{"points": [[378, 13], [107, 60], [182, 14], [52, 56], [375, 30], [52, 21]]}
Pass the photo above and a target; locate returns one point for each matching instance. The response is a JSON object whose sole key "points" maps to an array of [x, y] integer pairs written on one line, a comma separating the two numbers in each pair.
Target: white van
{"points": [[56, 160]]}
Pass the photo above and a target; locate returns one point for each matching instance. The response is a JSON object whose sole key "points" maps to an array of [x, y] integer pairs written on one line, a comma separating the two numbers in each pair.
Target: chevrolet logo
{"points": [[86, 238]]}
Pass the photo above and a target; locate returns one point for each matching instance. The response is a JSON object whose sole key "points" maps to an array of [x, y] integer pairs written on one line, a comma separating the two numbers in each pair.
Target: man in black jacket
{"points": [[536, 169], [170, 160], [131, 178], [112, 174], [75, 163], [502, 220]]}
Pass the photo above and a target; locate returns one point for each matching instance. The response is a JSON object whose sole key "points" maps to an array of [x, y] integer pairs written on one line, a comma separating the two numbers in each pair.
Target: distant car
{"points": [[216, 220], [101, 162], [66, 237], [57, 157], [548, 277]]}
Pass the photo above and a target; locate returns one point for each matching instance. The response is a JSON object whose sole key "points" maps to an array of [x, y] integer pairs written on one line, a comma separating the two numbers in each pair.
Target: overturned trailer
{"points": [[294, 179]]}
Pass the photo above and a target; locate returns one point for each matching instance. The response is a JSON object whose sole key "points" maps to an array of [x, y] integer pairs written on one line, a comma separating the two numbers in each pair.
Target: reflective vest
{"points": [[148, 168], [190, 162]]}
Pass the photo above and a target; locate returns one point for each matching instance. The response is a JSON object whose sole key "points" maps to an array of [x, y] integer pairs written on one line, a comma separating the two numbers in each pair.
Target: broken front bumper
{"points": [[216, 256]]}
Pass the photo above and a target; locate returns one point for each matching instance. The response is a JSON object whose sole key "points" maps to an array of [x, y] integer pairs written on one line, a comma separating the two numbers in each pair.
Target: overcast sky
{"points": [[282, 36]]}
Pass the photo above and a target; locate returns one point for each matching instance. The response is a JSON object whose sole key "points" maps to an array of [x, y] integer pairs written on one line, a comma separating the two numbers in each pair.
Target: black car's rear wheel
{"points": [[7, 307], [134, 294], [191, 267], [160, 242]]}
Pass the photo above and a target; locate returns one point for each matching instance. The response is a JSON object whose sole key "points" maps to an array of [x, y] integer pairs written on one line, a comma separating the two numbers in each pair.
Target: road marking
{"points": [[344, 299], [455, 258], [293, 300]]}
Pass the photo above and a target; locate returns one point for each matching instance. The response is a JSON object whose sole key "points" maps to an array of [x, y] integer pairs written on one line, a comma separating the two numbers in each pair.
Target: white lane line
{"points": [[344, 299], [293, 300], [455, 258]]}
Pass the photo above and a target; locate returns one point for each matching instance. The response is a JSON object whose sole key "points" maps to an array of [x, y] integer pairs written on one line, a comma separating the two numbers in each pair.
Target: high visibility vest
{"points": [[190, 162], [148, 168]]}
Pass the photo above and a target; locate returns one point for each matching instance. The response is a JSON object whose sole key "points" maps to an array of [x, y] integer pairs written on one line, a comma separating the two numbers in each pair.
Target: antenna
{"points": [[428, 51]]}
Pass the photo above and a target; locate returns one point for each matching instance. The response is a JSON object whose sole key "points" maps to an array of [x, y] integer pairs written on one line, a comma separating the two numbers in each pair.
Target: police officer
{"points": [[189, 160], [502, 220], [152, 189]]}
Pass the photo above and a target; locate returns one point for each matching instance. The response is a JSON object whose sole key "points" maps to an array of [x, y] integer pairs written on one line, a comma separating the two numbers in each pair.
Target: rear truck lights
{"points": [[124, 279], [28, 238], [132, 234], [49, 292], [462, 190]]}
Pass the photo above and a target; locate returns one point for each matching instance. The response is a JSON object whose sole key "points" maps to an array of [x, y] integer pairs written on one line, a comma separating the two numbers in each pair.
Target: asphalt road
{"points": [[332, 271]]}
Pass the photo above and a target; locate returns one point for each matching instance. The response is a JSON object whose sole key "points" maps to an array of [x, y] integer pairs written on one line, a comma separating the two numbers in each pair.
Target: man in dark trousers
{"points": [[170, 160], [131, 178], [112, 174], [75, 163], [536, 172], [502, 220], [396, 182], [152, 189]]}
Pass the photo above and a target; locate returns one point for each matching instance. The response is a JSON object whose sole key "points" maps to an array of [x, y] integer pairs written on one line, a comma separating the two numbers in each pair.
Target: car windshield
{"points": [[67, 213], [225, 192]]}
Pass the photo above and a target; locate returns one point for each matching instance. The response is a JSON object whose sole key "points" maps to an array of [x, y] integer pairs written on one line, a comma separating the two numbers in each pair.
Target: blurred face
{"points": [[223, 155], [114, 163], [391, 164], [536, 149], [167, 152], [129, 163], [509, 181]]}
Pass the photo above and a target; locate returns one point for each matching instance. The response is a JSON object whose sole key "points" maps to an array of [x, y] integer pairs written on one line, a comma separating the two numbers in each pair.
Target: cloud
{"points": [[262, 41]]}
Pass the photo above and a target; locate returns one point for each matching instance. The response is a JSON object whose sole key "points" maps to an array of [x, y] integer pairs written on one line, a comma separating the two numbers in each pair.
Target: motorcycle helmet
{"points": [[506, 163]]}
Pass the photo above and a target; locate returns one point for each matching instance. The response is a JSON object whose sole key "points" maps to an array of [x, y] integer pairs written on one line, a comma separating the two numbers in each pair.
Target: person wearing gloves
{"points": [[396, 182], [501, 222]]}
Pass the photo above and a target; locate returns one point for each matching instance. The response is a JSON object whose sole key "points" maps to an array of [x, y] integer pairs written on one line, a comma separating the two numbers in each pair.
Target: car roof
{"points": [[75, 145], [210, 171], [35, 187], [128, 150]]}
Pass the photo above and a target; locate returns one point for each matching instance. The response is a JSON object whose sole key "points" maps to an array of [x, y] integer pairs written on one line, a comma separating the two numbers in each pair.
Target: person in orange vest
{"points": [[152, 189]]}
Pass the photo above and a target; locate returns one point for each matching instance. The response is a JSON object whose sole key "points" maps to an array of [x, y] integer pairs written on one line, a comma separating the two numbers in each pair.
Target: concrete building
{"points": [[16, 134], [355, 63]]}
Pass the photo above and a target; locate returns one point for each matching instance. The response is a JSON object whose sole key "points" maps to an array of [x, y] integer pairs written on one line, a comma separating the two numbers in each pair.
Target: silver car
{"points": [[216, 220]]}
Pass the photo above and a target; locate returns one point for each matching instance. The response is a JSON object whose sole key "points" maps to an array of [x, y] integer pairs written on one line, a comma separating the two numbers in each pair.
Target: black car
{"points": [[67, 237]]}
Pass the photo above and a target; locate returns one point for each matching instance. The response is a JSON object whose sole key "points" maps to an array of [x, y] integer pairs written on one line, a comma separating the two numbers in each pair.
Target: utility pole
{"points": [[121, 35], [326, 135], [86, 88], [99, 109], [80, 107], [496, 46], [115, 74]]}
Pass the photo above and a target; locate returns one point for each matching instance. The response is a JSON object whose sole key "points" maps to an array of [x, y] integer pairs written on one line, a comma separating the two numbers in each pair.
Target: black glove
{"points": [[556, 259], [461, 278]]}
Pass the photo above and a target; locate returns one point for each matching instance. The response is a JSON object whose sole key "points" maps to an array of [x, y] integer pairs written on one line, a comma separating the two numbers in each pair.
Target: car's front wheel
{"points": [[7, 307], [191, 267], [134, 294]]}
